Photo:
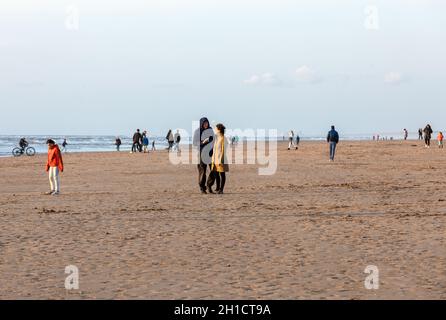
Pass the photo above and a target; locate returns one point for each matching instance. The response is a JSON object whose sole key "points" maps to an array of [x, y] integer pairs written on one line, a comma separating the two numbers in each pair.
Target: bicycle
{"points": [[29, 151]]}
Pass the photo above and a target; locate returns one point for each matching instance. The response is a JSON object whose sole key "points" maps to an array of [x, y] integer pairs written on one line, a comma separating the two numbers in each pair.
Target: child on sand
{"points": [[219, 165], [54, 166], [145, 142], [440, 140]]}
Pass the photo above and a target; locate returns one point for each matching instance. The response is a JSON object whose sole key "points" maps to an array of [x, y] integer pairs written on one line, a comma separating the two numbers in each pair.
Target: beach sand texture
{"points": [[136, 226]]}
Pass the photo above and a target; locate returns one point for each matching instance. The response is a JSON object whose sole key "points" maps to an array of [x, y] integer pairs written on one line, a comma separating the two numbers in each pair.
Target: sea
{"points": [[101, 143]]}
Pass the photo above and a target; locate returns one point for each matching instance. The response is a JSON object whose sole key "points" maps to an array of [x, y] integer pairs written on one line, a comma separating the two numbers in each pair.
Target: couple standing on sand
{"points": [[140, 142], [212, 147]]}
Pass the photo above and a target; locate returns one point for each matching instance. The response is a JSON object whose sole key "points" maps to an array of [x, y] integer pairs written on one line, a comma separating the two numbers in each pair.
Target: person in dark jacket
{"points": [[297, 141], [170, 140], [332, 139], [64, 145], [420, 134], [427, 135], [118, 143], [23, 143], [137, 137], [203, 139]]}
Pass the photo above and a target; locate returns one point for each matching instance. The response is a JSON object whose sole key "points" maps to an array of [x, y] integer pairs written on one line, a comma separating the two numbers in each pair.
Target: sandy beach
{"points": [[136, 226]]}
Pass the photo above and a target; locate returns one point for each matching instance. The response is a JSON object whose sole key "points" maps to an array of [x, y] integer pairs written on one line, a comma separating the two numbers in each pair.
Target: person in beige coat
{"points": [[220, 164]]}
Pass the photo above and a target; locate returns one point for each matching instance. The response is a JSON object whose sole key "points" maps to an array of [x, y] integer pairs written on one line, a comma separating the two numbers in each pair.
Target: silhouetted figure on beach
{"points": [[297, 141], [170, 140], [420, 134], [203, 140], [118, 143], [23, 143], [137, 141], [64, 145], [406, 134], [427, 135], [332, 139]]}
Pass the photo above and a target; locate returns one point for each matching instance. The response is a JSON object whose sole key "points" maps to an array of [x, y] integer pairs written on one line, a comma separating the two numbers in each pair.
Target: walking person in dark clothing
{"points": [[170, 140], [118, 143], [297, 141], [137, 137], [332, 139], [427, 135], [64, 145], [203, 140], [420, 134]]}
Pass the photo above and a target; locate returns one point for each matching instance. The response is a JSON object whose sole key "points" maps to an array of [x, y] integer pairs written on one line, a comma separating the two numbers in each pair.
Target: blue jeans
{"points": [[332, 150]]}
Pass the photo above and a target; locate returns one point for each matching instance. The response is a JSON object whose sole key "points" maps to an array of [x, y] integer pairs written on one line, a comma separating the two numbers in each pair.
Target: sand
{"points": [[137, 227]]}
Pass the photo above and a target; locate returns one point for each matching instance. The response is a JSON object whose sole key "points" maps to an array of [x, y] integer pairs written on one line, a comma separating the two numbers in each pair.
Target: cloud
{"points": [[265, 79], [393, 77], [305, 74]]}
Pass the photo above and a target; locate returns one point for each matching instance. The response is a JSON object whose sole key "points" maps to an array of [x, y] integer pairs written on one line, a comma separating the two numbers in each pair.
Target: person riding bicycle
{"points": [[23, 143]]}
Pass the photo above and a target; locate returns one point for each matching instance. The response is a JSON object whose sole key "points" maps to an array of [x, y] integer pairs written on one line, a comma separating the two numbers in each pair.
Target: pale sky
{"points": [[108, 67]]}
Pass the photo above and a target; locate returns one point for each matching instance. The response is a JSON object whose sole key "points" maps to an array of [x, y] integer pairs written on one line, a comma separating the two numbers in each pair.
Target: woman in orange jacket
{"points": [[440, 139], [54, 166]]}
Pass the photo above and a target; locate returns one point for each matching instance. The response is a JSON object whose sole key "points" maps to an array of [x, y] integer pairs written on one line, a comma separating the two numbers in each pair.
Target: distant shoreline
{"points": [[127, 148]]}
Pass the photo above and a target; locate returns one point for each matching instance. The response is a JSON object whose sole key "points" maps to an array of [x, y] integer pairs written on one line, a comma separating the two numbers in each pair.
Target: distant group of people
{"points": [[291, 140], [426, 133], [140, 142], [423, 134], [235, 140], [173, 141], [212, 152], [378, 138], [332, 140]]}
